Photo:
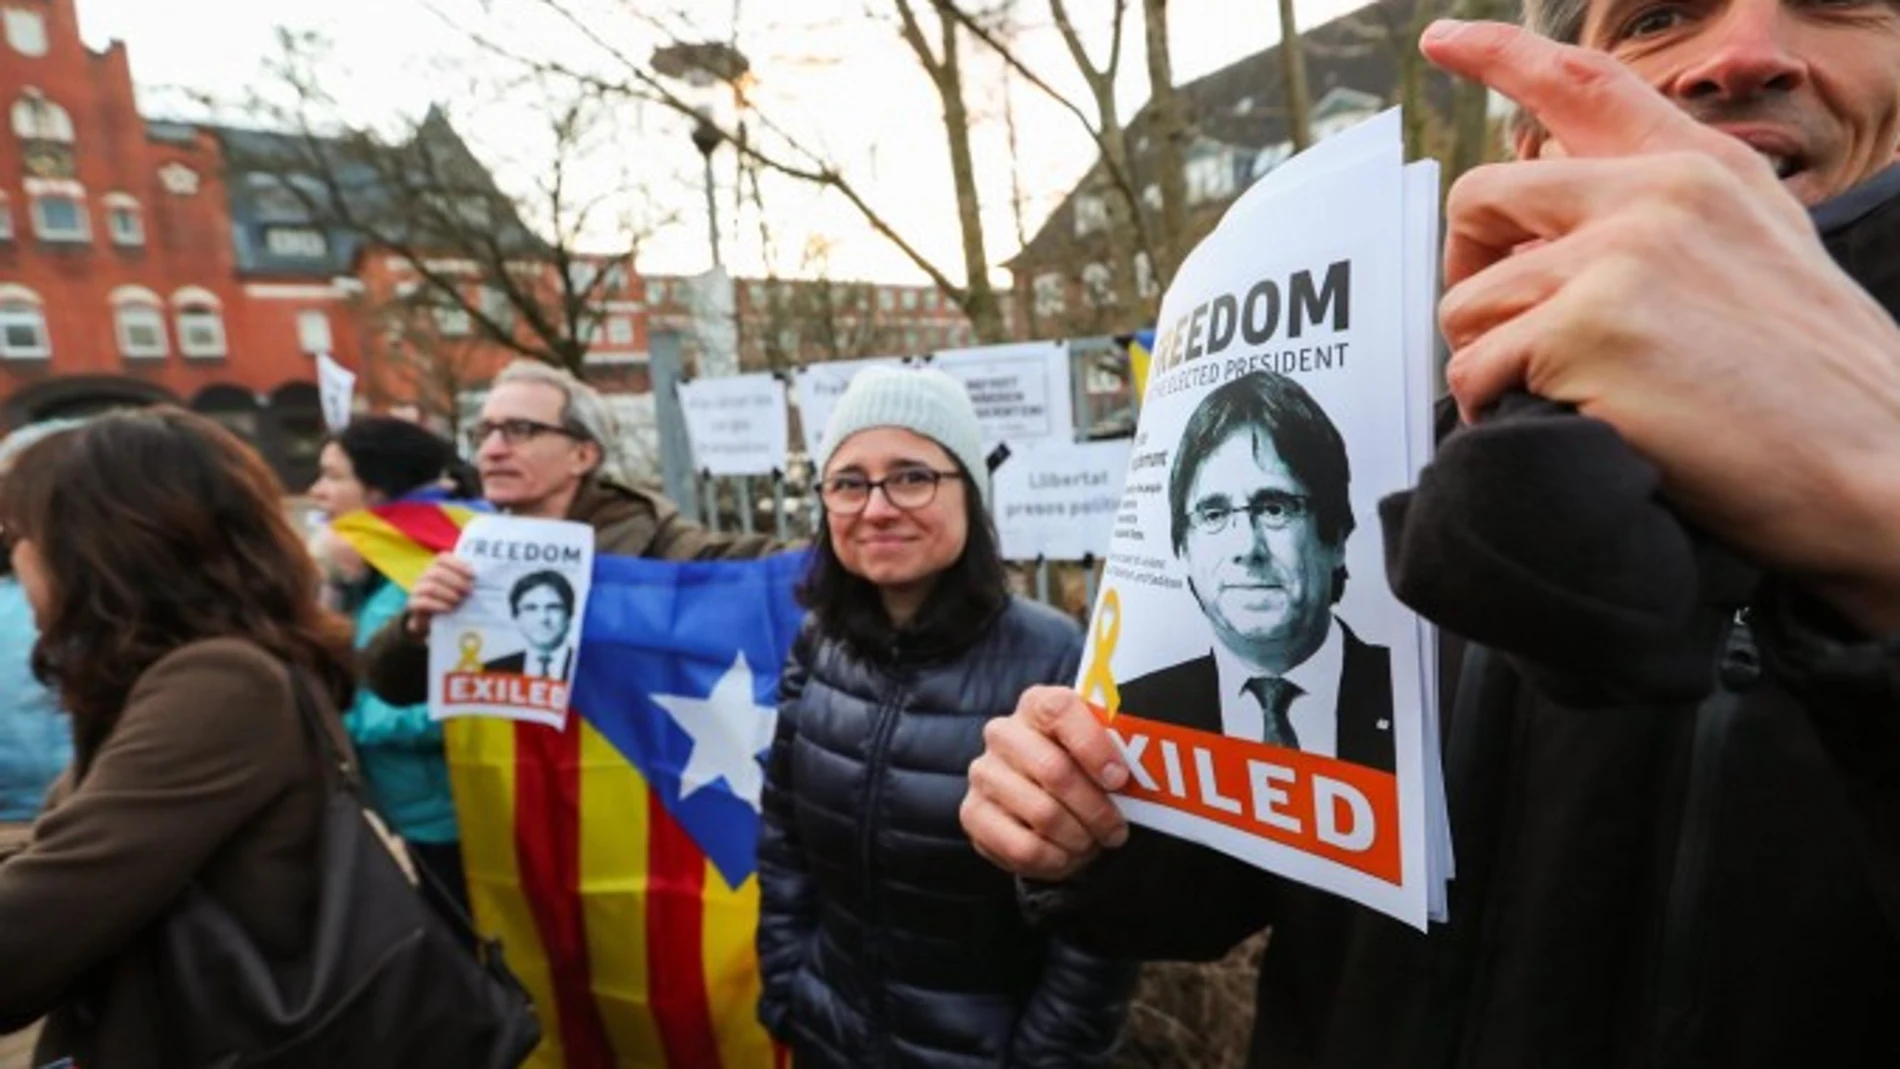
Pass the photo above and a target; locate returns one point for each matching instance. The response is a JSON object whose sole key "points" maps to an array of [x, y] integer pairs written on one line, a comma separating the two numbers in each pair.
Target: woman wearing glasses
{"points": [[883, 938]]}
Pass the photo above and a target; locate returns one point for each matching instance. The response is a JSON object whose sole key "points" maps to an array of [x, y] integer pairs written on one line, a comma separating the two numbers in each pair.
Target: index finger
{"points": [[453, 563], [1060, 714], [1588, 100]]}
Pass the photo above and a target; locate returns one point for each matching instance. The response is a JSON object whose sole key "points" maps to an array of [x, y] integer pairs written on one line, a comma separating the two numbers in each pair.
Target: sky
{"points": [[832, 72]]}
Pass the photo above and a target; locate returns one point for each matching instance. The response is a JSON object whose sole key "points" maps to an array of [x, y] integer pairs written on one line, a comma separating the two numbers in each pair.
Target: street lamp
{"points": [[702, 65], [707, 138]]}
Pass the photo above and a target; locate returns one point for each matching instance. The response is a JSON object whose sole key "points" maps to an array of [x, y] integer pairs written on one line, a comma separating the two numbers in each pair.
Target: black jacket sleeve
{"points": [[788, 899], [1075, 1014], [1540, 533], [1158, 898]]}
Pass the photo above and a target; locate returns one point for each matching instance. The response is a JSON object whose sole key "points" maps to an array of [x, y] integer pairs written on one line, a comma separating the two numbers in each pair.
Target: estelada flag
{"points": [[614, 858]]}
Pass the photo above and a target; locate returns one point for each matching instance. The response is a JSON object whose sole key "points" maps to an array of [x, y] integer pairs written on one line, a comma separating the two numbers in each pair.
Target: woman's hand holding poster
{"points": [[1273, 699], [512, 648]]}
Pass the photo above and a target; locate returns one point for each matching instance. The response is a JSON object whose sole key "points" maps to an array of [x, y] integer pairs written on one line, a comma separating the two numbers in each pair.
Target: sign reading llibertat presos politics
{"points": [[818, 387], [1267, 689], [1021, 391], [510, 650], [737, 424], [1058, 502]]}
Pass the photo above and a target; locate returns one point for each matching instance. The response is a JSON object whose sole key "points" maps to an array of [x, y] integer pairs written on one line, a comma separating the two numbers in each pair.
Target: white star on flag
{"points": [[729, 729]]}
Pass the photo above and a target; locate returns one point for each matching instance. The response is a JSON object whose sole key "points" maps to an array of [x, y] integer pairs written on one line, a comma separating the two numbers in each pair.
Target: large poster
{"points": [[1266, 686]]}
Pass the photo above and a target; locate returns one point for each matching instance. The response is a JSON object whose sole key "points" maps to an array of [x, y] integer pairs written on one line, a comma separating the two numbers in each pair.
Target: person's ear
{"points": [[591, 455]]}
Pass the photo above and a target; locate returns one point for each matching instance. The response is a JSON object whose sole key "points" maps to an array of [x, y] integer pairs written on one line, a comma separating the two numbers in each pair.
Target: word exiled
{"points": [[1257, 316], [1333, 809], [497, 689]]}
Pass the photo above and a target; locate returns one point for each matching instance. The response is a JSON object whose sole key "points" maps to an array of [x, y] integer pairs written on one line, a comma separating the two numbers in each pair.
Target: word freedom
{"points": [[520, 552], [1257, 316]]}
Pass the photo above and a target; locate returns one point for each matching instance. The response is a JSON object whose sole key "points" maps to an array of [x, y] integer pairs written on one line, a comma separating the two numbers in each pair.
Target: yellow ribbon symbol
{"points": [[1098, 683], [471, 647]]}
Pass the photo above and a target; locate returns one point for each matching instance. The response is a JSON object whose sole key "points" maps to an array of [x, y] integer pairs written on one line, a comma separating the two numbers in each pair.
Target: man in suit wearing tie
{"points": [[543, 607], [1260, 514]]}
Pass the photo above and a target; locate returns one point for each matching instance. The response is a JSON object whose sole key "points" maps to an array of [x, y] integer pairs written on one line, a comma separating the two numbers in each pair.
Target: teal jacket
{"points": [[399, 747], [36, 742]]}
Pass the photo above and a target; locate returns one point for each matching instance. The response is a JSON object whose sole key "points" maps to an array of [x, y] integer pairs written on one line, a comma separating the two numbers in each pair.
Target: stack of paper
{"points": [[1274, 700]]}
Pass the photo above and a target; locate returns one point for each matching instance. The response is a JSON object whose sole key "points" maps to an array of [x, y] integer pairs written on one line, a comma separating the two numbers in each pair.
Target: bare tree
{"points": [[420, 195], [1172, 134]]}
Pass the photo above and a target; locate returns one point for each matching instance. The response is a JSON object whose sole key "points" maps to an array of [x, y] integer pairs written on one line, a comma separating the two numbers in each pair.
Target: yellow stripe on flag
{"points": [[481, 755], [613, 873], [732, 971]]}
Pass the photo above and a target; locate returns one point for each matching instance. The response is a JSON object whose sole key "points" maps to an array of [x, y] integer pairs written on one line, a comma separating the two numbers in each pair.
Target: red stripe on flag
{"points": [[548, 843], [427, 523], [676, 886]]}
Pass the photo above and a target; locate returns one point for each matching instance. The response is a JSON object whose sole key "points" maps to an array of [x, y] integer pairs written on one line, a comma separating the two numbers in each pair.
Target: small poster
{"points": [[336, 388], [737, 424], [510, 651], [1268, 690], [1022, 392], [1058, 502], [819, 386]]}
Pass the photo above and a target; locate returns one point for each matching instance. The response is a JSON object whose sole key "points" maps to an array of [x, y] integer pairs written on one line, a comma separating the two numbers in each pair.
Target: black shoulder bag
{"points": [[387, 982]]}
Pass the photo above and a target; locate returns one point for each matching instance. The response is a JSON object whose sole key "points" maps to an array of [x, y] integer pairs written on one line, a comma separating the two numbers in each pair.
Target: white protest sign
{"points": [[511, 650], [1059, 501], [336, 385], [1022, 392], [737, 424], [818, 388], [1268, 707]]}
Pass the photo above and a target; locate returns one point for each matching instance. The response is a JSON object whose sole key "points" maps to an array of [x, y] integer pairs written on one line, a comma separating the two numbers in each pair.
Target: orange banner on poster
{"points": [[1337, 810]]}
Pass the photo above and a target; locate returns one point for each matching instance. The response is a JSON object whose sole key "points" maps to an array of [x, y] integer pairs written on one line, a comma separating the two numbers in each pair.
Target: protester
{"points": [[36, 741], [175, 602], [541, 447], [1640, 880], [372, 461], [883, 938]]}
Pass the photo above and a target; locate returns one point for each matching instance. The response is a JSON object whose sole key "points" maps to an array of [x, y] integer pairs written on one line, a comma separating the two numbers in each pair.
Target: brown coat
{"points": [[208, 777], [626, 521]]}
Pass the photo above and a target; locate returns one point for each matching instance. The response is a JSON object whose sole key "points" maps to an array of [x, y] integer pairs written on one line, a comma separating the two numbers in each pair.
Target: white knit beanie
{"points": [[920, 400]]}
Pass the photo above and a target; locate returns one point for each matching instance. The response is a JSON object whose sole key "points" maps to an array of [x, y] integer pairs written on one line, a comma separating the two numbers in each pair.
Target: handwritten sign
{"points": [[737, 425]]}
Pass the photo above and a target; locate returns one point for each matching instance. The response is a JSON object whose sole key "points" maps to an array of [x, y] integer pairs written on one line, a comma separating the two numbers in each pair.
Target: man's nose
{"points": [[1747, 52]]}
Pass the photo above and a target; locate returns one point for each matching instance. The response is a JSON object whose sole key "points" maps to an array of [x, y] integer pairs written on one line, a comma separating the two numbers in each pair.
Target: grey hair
{"points": [[583, 412]]}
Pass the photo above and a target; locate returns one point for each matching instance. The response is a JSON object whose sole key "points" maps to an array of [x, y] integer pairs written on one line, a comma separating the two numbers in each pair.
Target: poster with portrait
{"points": [[511, 649], [1266, 687]]}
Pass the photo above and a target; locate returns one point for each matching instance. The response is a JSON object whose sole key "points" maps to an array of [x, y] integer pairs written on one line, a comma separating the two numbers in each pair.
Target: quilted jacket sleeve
{"points": [[788, 900], [1076, 1012]]}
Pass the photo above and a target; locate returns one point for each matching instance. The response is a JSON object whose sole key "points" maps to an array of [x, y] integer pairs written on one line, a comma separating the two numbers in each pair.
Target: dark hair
{"points": [[1308, 443], [159, 528], [562, 589], [395, 457], [965, 601]]}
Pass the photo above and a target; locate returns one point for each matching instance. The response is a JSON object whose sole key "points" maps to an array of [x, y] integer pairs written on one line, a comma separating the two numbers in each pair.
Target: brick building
{"points": [[119, 280]]}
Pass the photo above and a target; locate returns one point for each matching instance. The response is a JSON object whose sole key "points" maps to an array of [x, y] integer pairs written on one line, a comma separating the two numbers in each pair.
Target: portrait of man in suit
{"points": [[1259, 517], [542, 604]]}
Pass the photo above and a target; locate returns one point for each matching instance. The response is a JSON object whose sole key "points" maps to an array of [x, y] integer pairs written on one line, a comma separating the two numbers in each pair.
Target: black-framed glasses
{"points": [[907, 488], [515, 431], [1273, 510]]}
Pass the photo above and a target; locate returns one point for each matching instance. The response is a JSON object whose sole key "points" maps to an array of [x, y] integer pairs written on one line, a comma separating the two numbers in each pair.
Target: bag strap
{"points": [[341, 773]]}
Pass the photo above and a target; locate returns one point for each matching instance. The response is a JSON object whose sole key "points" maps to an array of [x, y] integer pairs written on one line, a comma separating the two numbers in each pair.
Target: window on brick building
{"points": [[23, 334], [313, 332], [1050, 293], [296, 242], [6, 218], [138, 317], [36, 118], [619, 331], [124, 220], [26, 31], [60, 217], [200, 323], [1098, 285], [453, 321]]}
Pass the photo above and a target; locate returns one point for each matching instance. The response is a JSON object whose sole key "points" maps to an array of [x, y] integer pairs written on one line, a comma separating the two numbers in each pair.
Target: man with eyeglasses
{"points": [[1260, 516], [541, 448]]}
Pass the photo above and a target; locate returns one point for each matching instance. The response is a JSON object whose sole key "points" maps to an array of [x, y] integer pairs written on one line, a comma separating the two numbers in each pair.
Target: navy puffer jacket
{"points": [[885, 940]]}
